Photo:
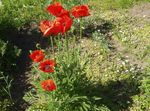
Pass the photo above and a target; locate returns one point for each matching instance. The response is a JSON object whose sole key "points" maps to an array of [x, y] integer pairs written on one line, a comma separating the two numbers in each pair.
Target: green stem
{"points": [[51, 76], [80, 2], [81, 28], [58, 43], [8, 86], [74, 41], [67, 46], [66, 40], [80, 37], [52, 45]]}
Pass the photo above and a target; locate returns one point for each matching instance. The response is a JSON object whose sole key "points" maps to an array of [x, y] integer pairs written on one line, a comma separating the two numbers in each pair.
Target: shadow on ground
{"points": [[25, 39], [104, 28], [115, 95]]}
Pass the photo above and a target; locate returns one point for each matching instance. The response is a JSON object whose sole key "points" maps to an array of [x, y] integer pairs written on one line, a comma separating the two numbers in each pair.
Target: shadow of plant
{"points": [[115, 95], [23, 39], [104, 28]]}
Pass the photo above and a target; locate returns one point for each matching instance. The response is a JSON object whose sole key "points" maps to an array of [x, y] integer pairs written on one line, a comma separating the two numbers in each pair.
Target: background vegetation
{"points": [[114, 73]]}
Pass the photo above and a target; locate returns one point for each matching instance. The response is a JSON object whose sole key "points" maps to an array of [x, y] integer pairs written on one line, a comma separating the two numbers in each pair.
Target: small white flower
{"points": [[126, 61], [78, 20], [121, 31], [144, 16], [132, 69], [118, 71], [126, 71], [127, 56], [123, 63]]}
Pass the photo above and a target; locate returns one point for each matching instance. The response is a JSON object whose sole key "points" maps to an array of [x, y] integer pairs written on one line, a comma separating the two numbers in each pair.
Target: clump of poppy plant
{"points": [[61, 24]]}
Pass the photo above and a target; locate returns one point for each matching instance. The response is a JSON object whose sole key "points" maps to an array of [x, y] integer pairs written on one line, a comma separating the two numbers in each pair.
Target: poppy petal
{"points": [[80, 11], [48, 85], [37, 55]]}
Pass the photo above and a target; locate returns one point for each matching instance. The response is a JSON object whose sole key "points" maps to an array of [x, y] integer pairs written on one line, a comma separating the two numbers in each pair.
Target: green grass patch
{"points": [[115, 4]]}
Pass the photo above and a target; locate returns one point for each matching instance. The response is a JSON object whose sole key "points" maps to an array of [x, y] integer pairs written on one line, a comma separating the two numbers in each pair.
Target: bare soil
{"points": [[141, 11]]}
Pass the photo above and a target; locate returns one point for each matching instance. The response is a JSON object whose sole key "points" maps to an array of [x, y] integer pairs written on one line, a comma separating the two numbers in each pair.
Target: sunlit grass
{"points": [[104, 71]]}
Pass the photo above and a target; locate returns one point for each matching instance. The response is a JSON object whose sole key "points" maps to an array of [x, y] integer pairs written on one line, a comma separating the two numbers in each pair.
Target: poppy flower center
{"points": [[48, 85], [64, 24], [47, 67]]}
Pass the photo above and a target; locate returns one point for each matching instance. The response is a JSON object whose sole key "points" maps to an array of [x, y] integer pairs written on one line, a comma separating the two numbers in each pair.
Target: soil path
{"points": [[119, 48], [142, 11]]}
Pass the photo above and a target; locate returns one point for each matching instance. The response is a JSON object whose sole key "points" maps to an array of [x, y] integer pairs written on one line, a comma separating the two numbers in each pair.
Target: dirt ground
{"points": [[142, 11]]}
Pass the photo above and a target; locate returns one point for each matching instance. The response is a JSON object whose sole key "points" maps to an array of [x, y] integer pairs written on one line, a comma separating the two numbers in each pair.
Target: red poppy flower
{"points": [[37, 55], [66, 23], [80, 11], [57, 10], [50, 27], [46, 25], [47, 66], [48, 85]]}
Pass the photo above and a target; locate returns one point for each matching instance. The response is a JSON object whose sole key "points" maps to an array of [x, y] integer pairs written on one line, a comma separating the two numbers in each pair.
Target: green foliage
{"points": [[5, 104], [19, 12], [143, 100], [70, 3], [8, 55], [73, 87], [117, 4], [76, 88]]}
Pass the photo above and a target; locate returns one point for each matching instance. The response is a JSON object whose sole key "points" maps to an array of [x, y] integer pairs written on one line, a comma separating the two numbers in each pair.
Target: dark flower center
{"points": [[47, 67]]}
